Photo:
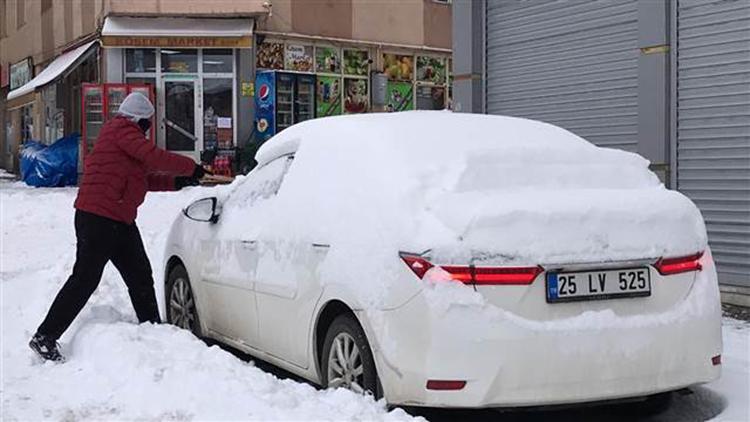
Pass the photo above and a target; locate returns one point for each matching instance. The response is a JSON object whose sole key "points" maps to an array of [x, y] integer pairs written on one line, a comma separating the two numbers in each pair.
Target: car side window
{"points": [[263, 182]]}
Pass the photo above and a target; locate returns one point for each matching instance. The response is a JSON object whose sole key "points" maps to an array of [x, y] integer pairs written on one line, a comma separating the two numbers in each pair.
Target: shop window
{"points": [[327, 60], [270, 55], [217, 113], [217, 61], [140, 60], [356, 95], [299, 58], [356, 62], [179, 61], [328, 92], [398, 67], [431, 70]]}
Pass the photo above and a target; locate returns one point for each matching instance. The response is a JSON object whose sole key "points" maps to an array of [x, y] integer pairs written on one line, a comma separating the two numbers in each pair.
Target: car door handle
{"points": [[248, 243], [320, 246]]}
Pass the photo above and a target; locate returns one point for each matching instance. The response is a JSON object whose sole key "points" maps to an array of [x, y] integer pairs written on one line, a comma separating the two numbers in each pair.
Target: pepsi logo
{"points": [[264, 91]]}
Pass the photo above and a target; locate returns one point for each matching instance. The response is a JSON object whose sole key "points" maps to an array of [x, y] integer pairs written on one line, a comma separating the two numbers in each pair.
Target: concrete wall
{"points": [[410, 22], [186, 7]]}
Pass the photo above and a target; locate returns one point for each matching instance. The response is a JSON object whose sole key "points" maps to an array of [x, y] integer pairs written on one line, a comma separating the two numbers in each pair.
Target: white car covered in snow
{"points": [[452, 260]]}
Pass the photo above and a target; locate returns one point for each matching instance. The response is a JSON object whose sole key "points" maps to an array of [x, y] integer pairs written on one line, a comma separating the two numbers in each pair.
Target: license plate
{"points": [[598, 285]]}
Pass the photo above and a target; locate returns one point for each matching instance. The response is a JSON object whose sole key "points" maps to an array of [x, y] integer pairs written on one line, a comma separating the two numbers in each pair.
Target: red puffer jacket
{"points": [[122, 167]]}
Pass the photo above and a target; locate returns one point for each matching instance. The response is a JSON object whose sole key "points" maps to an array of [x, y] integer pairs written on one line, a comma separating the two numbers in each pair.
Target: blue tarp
{"points": [[50, 165]]}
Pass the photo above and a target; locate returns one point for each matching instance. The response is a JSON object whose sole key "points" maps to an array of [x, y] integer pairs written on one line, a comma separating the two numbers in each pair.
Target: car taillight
{"points": [[476, 275], [683, 264]]}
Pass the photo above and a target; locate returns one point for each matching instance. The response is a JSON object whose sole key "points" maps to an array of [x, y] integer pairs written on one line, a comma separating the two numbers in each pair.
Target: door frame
{"points": [[197, 112]]}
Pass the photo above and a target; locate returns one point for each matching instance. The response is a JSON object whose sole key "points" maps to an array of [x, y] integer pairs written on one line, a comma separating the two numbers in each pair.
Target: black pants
{"points": [[100, 240]]}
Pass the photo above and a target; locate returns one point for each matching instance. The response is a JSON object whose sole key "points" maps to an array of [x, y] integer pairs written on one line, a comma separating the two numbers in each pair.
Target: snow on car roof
{"points": [[432, 130]]}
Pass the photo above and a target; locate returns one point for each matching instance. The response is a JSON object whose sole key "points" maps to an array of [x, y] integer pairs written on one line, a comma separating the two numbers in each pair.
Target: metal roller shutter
{"points": [[713, 125], [573, 64]]}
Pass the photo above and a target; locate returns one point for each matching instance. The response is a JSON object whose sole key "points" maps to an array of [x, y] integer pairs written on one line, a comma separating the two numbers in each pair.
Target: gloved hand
{"points": [[183, 181], [199, 172]]}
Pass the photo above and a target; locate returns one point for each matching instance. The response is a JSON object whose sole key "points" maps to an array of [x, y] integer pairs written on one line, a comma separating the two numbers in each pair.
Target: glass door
{"points": [[284, 101], [180, 122], [92, 104], [304, 103]]}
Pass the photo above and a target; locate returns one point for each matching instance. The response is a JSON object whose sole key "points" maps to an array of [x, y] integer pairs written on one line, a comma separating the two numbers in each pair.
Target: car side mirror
{"points": [[204, 210]]}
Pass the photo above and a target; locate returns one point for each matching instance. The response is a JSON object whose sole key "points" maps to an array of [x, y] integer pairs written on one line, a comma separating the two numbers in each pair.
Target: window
{"points": [[217, 113], [140, 60], [217, 61], [262, 183], [179, 61]]}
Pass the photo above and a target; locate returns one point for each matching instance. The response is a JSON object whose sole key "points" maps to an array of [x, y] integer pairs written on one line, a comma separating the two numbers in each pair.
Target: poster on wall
{"points": [[356, 62], [299, 58], [431, 69], [327, 60], [356, 97], [270, 55], [398, 67], [329, 96], [399, 96]]}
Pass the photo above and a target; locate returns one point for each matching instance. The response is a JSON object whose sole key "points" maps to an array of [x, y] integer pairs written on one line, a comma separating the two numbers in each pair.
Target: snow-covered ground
{"points": [[117, 370]]}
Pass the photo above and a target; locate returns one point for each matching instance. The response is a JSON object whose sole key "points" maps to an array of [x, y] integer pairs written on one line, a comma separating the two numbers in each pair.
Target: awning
{"points": [[121, 31], [52, 71]]}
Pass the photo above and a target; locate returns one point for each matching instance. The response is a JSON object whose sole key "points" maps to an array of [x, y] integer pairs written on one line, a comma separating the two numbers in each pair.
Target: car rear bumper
{"points": [[507, 361]]}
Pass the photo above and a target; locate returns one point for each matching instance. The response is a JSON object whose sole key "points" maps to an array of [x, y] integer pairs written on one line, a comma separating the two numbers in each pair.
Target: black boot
{"points": [[46, 348]]}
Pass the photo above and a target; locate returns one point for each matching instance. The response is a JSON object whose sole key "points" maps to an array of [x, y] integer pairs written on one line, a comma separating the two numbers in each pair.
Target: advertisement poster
{"points": [[399, 96], [270, 55], [431, 69], [356, 62], [299, 58], [329, 96], [398, 67], [327, 60], [356, 97], [265, 101]]}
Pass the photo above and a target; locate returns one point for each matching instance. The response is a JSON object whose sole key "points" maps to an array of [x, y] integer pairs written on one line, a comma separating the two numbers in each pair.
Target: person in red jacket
{"points": [[122, 167]]}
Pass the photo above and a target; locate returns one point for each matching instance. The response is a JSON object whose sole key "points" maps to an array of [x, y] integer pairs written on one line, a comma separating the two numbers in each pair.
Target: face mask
{"points": [[144, 124]]}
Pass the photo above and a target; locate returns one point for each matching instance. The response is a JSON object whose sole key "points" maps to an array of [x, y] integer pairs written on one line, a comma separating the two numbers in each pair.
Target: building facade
{"points": [[66, 65], [668, 79]]}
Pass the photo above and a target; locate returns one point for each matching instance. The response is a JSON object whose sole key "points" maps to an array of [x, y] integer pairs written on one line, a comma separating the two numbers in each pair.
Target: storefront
{"points": [[342, 72], [196, 75], [47, 107]]}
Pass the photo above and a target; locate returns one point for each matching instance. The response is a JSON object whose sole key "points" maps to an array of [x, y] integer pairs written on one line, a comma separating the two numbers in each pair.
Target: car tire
{"points": [[180, 302], [346, 337]]}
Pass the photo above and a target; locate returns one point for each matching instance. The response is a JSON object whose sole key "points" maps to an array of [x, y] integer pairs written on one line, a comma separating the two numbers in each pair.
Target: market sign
{"points": [[188, 42], [299, 58], [20, 73]]}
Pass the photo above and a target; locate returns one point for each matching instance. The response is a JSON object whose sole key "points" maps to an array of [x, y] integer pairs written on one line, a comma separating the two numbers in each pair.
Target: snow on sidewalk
{"points": [[116, 369]]}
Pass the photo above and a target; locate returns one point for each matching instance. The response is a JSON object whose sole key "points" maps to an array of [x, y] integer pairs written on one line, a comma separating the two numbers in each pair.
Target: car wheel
{"points": [[347, 360], [181, 309]]}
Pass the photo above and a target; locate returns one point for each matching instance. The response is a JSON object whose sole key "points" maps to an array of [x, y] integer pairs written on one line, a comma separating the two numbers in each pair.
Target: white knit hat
{"points": [[136, 106]]}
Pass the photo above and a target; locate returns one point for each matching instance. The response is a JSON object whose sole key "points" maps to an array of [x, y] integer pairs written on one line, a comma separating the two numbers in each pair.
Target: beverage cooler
{"points": [[99, 103], [281, 100]]}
